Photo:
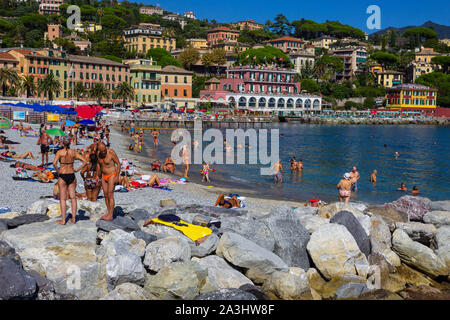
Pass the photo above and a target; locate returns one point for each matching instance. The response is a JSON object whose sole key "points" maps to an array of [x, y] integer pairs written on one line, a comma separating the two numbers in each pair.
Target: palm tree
{"points": [[79, 91], [124, 91], [8, 77], [49, 86], [99, 91], [100, 13], [28, 85]]}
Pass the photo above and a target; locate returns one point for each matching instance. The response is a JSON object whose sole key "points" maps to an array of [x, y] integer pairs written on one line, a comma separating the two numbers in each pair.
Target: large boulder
{"points": [[415, 207], [312, 222], [334, 252], [226, 294], [388, 214], [348, 220], [38, 207], [443, 244], [6, 251], [147, 237], [417, 255], [205, 248], [330, 210], [93, 210], [159, 254], [437, 218], [351, 290], [418, 231], [15, 283], [66, 255], [288, 286], [119, 222], [126, 291], [246, 254], [380, 240], [25, 219], [3, 225], [121, 254], [290, 236], [440, 205], [179, 280], [139, 215], [221, 274]]}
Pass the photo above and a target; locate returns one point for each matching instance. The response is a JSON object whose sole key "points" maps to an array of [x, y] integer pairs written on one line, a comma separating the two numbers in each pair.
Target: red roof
{"points": [[286, 38], [222, 28], [6, 56]]}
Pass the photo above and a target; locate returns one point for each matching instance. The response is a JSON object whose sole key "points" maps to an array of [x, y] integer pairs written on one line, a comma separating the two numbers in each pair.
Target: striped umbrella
{"points": [[5, 123]]}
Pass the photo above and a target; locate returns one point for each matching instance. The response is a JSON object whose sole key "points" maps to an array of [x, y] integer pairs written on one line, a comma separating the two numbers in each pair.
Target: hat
{"points": [[347, 175]]}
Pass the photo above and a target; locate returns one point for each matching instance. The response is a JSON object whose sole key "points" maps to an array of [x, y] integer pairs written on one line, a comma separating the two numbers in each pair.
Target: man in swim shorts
{"points": [[44, 141], [278, 173], [109, 166], [354, 177]]}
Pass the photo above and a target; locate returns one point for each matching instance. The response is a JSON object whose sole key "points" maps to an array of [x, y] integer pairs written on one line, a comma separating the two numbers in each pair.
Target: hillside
{"points": [[442, 31]]}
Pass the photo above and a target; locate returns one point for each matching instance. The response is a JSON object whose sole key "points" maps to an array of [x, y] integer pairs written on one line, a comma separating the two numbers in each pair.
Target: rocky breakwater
{"points": [[382, 121], [338, 251]]}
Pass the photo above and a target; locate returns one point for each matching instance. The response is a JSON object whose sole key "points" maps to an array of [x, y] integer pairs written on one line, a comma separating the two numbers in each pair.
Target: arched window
{"points": [[272, 103], [307, 104], [252, 102], [262, 103], [316, 104], [299, 103], [232, 102], [280, 103], [290, 103], [242, 102]]}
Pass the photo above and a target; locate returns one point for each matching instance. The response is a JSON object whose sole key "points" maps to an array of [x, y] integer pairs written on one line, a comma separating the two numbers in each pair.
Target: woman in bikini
{"points": [[169, 165], [12, 154], [344, 188], [227, 203], [91, 177], [66, 178]]}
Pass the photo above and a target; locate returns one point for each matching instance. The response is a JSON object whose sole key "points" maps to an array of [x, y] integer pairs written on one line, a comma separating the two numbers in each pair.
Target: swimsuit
{"points": [[68, 178], [344, 193], [278, 176], [107, 176], [44, 148], [92, 183]]}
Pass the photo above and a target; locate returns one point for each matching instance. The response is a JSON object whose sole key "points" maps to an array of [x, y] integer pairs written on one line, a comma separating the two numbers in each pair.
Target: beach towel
{"points": [[192, 231], [162, 188]]}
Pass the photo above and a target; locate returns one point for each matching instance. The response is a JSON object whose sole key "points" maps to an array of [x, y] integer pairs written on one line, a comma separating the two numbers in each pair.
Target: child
{"points": [[205, 172]]}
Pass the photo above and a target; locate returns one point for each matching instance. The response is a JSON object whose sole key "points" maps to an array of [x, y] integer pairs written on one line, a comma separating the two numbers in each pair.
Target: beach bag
{"points": [[21, 173]]}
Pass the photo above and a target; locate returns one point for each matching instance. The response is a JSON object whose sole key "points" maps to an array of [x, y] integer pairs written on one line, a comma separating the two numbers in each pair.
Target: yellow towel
{"points": [[192, 231]]}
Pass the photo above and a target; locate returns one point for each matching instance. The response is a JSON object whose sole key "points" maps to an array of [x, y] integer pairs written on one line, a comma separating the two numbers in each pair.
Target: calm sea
{"points": [[328, 151]]}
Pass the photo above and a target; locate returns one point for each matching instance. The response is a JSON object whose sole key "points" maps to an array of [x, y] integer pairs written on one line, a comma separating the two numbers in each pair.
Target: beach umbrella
{"points": [[87, 122], [56, 132], [68, 123], [5, 123]]}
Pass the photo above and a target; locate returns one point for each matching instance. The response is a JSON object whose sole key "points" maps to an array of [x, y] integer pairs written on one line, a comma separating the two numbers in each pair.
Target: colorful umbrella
{"points": [[56, 132], [5, 123], [68, 123], [87, 122]]}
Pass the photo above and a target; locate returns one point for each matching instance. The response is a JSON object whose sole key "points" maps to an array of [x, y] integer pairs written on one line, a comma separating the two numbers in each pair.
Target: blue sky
{"points": [[393, 12]]}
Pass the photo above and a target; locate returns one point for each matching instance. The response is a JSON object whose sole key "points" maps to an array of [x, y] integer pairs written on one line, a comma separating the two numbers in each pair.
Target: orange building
{"points": [[222, 34], [176, 83], [287, 44]]}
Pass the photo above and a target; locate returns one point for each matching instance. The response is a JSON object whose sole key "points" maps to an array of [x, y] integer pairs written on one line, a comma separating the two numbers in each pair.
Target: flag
{"points": [[71, 70]]}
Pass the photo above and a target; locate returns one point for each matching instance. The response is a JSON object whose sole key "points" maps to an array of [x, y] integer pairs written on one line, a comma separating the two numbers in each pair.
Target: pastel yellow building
{"points": [[411, 96], [197, 43], [147, 36]]}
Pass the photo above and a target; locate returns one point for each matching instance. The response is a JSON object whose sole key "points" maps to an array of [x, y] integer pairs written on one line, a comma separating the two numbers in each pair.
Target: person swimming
{"points": [[373, 176], [402, 187], [415, 190]]}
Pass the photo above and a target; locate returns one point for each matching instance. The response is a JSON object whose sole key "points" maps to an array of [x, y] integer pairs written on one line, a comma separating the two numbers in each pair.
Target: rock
{"points": [[147, 237], [437, 218], [287, 286], [179, 280], [351, 290], [417, 255], [254, 290], [140, 215], [42, 283], [54, 210], [161, 253], [335, 252], [327, 289], [205, 248], [26, 219], [290, 236], [226, 294], [15, 282], [66, 255], [38, 207], [379, 294], [443, 244], [415, 207], [93, 210], [6, 251], [121, 254], [329, 210], [306, 211], [348, 220], [380, 240], [389, 215], [126, 291], [440, 205], [122, 223], [9, 215], [162, 231], [312, 222], [418, 231], [166, 203], [3, 225], [221, 274], [423, 292], [243, 253]]}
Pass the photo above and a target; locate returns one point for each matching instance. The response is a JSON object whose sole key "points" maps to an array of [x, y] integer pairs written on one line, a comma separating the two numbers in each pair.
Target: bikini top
{"points": [[65, 162]]}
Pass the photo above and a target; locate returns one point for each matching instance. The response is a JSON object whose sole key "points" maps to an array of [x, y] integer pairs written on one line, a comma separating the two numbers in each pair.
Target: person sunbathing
{"points": [[41, 176], [156, 165], [3, 144], [169, 165], [12, 154], [227, 203], [25, 166], [154, 181]]}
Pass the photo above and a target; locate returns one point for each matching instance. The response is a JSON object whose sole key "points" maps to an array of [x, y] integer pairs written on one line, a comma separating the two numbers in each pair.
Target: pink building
{"points": [[222, 34], [287, 44], [50, 6], [260, 80]]}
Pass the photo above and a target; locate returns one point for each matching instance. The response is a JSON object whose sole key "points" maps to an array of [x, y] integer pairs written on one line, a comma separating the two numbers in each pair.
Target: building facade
{"points": [[49, 6], [149, 10], [422, 63], [176, 86], [354, 59], [222, 34], [189, 15], [146, 36], [53, 31], [303, 58], [411, 96], [7, 60], [287, 44], [200, 44], [247, 24], [389, 78], [145, 78], [231, 47], [324, 42]]}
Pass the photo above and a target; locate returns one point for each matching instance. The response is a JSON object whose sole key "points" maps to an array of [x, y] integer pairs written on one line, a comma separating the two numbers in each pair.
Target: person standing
{"points": [[132, 128], [44, 142], [67, 182], [278, 173], [91, 177], [155, 135], [109, 167], [373, 176], [354, 177], [344, 187]]}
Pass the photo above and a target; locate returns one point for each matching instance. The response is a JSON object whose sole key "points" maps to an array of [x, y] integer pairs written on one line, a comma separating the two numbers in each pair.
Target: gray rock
{"points": [[246, 254], [226, 294], [7, 251], [443, 244], [440, 205], [290, 236], [437, 218], [205, 248], [380, 240], [312, 222], [163, 252], [351, 290], [26, 219], [42, 283], [147, 237], [3, 225], [417, 255], [348, 220], [38, 207], [122, 223], [140, 215], [306, 211], [388, 214], [418, 231], [287, 286], [126, 291], [15, 282], [415, 207], [254, 290]]}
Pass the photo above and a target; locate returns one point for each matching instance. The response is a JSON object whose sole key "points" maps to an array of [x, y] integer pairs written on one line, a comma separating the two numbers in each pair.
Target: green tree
{"points": [[310, 86], [326, 66], [281, 25], [386, 59], [440, 81], [79, 91], [417, 35], [49, 86], [28, 85], [8, 77], [443, 61], [163, 57], [98, 92], [124, 91], [369, 102], [219, 56], [189, 57]]}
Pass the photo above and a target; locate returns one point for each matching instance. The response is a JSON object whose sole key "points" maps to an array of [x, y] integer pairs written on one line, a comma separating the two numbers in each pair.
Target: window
{"points": [[175, 92], [167, 78], [185, 92], [176, 79], [185, 79], [166, 92]]}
